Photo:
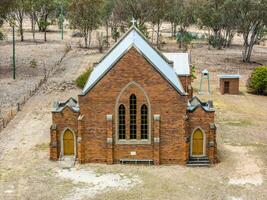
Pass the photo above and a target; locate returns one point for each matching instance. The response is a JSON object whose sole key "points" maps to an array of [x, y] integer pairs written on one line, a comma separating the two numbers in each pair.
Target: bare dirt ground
{"points": [[27, 173]]}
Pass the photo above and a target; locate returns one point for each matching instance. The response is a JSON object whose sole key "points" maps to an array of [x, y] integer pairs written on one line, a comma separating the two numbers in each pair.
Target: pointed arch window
{"points": [[144, 122], [132, 116], [122, 131]]}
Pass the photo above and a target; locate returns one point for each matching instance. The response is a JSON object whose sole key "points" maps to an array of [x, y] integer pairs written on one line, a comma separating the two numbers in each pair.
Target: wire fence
{"points": [[9, 113]]}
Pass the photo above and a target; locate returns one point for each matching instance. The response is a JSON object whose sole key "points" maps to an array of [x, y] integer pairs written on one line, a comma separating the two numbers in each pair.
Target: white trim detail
{"points": [[109, 117], [62, 143], [157, 117], [148, 141], [204, 142]]}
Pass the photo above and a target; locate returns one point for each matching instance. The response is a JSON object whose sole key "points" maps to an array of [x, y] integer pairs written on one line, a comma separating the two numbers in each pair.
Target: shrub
{"points": [[33, 63], [81, 80], [2, 35], [216, 42], [257, 83]]}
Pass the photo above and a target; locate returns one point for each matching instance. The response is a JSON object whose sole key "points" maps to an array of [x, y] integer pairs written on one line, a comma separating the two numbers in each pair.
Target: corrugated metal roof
{"points": [[229, 76], [180, 62], [134, 38]]}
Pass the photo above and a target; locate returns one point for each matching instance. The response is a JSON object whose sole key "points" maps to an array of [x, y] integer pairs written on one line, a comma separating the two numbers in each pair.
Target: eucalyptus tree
{"points": [[252, 16], [85, 15]]}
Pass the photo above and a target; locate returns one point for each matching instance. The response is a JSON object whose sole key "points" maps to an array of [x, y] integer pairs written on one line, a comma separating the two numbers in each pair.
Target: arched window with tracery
{"points": [[132, 116], [144, 122], [122, 127]]}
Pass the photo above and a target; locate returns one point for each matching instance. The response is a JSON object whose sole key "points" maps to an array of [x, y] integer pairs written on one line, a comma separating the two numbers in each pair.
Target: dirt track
{"points": [[26, 172]]}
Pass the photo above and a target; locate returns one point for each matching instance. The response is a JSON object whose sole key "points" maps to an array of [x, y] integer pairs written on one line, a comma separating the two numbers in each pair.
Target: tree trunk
{"points": [[20, 21], [33, 26], [90, 38], [172, 29], [158, 34], [21, 31], [249, 42], [45, 27], [152, 36], [107, 40]]}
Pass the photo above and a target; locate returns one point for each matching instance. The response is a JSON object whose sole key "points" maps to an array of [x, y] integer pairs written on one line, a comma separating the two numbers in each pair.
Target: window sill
{"points": [[147, 141]]}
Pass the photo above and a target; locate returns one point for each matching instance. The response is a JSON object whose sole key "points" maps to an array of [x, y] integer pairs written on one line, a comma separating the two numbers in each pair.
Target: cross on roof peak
{"points": [[133, 21]]}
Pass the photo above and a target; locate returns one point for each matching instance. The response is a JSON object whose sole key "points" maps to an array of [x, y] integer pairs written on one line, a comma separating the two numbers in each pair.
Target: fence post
{"points": [[18, 107]]}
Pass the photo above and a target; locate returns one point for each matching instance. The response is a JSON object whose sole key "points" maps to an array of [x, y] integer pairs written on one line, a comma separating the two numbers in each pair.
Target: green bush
{"points": [[81, 80], [257, 83]]}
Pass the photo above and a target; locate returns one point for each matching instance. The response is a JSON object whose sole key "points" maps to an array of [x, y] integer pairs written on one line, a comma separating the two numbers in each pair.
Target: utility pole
{"points": [[14, 53], [62, 22]]}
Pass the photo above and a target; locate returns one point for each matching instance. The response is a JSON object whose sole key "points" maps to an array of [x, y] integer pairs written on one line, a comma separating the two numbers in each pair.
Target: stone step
{"points": [[198, 165], [199, 161]]}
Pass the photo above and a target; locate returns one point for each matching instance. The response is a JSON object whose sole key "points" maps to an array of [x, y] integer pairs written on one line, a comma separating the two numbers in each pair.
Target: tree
{"points": [[252, 16], [141, 11], [106, 13], [159, 14], [5, 8], [180, 13], [85, 15], [17, 15], [45, 10], [210, 15]]}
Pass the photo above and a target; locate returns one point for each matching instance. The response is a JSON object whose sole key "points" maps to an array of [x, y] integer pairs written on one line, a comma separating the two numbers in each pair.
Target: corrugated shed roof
{"points": [[134, 38], [230, 76], [180, 62]]}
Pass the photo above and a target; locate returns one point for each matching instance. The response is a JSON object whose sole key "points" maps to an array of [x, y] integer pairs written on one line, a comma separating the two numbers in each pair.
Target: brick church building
{"points": [[136, 107]]}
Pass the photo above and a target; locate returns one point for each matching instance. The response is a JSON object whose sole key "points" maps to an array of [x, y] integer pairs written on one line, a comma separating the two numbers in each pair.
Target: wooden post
{"points": [[18, 107]]}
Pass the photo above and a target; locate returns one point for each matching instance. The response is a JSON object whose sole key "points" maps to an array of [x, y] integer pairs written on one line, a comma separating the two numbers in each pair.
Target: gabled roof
{"points": [[180, 63], [71, 103], [195, 103], [134, 38]]}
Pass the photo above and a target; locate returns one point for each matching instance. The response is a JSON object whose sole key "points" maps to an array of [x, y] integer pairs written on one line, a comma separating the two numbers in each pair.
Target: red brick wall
{"points": [[186, 82], [164, 100], [234, 85], [203, 120], [65, 119]]}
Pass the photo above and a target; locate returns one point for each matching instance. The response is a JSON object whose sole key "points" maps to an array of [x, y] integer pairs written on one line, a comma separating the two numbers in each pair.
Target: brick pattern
{"points": [[66, 119], [233, 87], [203, 120], [169, 135]]}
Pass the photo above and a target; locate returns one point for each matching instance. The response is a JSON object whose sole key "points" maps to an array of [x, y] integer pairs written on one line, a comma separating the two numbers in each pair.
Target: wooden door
{"points": [[226, 87], [68, 143], [197, 146]]}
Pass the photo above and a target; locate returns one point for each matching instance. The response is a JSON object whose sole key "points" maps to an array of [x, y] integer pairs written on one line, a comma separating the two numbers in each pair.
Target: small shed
{"points": [[229, 84]]}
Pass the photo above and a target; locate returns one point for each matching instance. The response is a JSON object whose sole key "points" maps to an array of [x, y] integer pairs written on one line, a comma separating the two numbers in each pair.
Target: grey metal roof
{"points": [[195, 103], [71, 103], [229, 76], [134, 38], [180, 62]]}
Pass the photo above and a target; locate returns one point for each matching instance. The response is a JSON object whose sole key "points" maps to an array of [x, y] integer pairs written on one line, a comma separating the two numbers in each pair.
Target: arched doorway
{"points": [[68, 143], [198, 143]]}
